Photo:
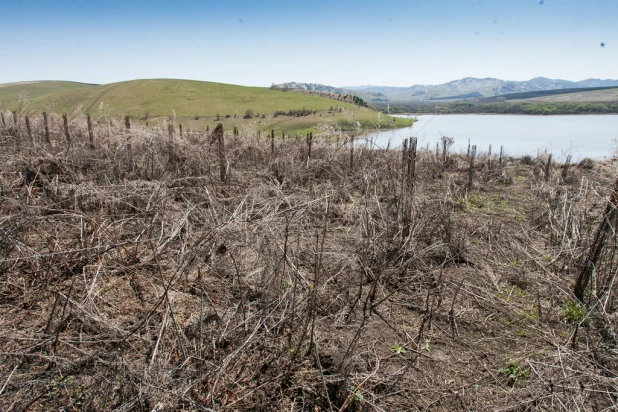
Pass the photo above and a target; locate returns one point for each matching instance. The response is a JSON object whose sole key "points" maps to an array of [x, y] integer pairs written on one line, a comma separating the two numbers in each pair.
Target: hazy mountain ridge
{"points": [[468, 87], [487, 87]]}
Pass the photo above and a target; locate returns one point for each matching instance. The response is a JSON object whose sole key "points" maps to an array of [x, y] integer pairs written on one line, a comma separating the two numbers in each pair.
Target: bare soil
{"points": [[132, 278]]}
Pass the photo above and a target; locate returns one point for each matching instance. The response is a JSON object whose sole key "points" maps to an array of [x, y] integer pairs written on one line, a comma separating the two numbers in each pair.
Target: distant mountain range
{"points": [[466, 88]]}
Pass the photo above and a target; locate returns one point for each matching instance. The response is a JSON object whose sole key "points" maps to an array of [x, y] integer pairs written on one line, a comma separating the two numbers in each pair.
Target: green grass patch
{"points": [[11, 93]]}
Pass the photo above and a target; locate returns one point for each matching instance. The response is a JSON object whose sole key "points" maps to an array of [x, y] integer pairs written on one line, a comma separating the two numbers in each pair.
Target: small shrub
{"points": [[573, 312], [586, 164], [526, 160], [398, 349], [514, 372]]}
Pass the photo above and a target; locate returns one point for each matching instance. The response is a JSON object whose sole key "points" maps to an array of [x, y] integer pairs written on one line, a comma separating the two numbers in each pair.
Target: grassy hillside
{"points": [[10, 92], [195, 103]]}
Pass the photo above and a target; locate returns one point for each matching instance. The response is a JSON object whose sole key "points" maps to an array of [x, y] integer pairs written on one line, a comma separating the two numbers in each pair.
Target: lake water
{"points": [[578, 135]]}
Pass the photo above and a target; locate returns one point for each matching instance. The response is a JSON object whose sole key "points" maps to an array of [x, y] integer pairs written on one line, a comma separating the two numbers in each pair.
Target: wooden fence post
{"points": [[501, 153], [404, 158], [218, 136], [548, 168], [444, 152], [16, 127], [90, 131], [412, 162], [66, 128], [128, 149], [29, 130], [468, 155], [309, 144], [3, 121], [471, 173], [566, 167], [46, 125], [272, 142]]}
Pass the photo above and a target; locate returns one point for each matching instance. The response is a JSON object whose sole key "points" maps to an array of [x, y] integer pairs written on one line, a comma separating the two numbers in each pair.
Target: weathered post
{"points": [[404, 158], [90, 131], [489, 158], [566, 167], [170, 131], [471, 173], [444, 152], [3, 121], [309, 144], [412, 162], [46, 125], [67, 135], [128, 149], [548, 168], [272, 142], [16, 130], [180, 130], [468, 154], [218, 136], [29, 130], [501, 154]]}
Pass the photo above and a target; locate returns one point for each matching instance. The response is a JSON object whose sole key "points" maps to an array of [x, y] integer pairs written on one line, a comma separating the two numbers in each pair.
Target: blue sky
{"points": [[340, 43]]}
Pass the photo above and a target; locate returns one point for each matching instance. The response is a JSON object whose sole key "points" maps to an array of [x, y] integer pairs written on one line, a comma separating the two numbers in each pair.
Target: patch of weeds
{"points": [[530, 315], [425, 346], [477, 201], [514, 372], [507, 293], [356, 396], [398, 349], [573, 312]]}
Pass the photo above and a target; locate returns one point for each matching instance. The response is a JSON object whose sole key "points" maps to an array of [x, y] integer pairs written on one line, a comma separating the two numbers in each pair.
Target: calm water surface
{"points": [[578, 135]]}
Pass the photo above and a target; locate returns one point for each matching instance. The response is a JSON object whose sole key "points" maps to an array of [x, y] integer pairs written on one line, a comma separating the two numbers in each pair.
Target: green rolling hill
{"points": [[190, 100], [163, 97], [11, 93]]}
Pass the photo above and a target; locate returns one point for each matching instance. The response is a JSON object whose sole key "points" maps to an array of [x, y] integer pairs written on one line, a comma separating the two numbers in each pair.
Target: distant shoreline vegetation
{"points": [[541, 108]]}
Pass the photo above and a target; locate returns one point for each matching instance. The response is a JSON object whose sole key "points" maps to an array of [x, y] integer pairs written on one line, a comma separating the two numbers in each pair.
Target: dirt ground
{"points": [[149, 272]]}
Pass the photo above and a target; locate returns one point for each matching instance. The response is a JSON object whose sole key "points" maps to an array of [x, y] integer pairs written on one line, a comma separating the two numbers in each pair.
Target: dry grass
{"points": [[133, 278]]}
